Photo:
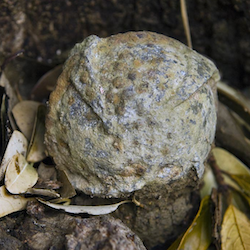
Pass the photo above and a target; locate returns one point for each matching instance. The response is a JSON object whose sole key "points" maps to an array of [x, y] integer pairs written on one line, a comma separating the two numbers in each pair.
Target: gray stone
{"points": [[131, 110], [103, 232]]}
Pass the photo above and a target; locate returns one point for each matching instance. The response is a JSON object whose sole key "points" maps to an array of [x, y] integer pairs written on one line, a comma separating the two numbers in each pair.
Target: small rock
{"points": [[8, 242], [131, 110], [103, 232], [46, 231]]}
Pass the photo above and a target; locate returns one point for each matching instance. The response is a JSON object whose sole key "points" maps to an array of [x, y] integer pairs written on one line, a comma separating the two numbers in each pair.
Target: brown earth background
{"points": [[46, 29]]}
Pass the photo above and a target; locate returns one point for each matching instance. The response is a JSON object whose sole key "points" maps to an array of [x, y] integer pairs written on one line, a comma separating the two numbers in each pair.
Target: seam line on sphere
{"points": [[190, 96]]}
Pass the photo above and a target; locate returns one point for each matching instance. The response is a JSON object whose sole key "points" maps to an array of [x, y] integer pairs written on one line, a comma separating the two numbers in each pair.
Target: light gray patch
{"points": [[102, 154], [88, 144]]}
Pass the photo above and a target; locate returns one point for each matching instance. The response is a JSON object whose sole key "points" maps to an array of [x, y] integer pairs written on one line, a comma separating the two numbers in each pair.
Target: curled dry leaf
{"points": [[235, 230], [176, 243], [229, 163], [240, 201], [233, 131], [46, 84], [11, 203], [43, 192], [231, 135], [20, 175], [62, 201], [93, 210], [209, 182], [235, 100], [3, 121], [198, 235], [243, 181], [237, 173], [244, 126], [247, 199], [37, 147], [231, 182], [17, 144], [67, 190], [10, 91], [24, 114]]}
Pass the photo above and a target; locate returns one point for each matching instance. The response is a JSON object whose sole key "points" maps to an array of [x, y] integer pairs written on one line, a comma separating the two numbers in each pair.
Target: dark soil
{"points": [[46, 29]]}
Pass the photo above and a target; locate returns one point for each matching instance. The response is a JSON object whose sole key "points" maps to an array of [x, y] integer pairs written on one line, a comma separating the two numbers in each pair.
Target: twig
{"points": [[185, 22], [223, 187], [10, 58]]}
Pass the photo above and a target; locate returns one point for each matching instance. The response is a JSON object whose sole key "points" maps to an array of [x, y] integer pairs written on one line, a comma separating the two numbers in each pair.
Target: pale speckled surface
{"points": [[129, 110]]}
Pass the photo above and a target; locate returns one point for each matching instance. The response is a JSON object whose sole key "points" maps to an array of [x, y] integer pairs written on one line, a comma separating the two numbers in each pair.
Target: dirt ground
{"points": [[45, 29]]}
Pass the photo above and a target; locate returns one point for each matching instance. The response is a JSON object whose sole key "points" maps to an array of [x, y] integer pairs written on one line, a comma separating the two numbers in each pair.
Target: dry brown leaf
{"points": [[243, 181], [235, 230], [37, 147], [3, 121], [229, 134], [62, 201], [239, 200], [247, 198], [46, 84], [93, 210], [209, 182], [244, 126], [20, 175], [11, 203], [24, 113], [230, 182], [229, 163], [10, 91], [43, 192], [17, 144], [237, 174], [67, 190], [176, 243], [198, 235], [235, 100]]}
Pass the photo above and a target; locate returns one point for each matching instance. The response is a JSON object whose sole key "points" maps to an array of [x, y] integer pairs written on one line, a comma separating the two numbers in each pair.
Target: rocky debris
{"points": [[8, 242], [46, 231], [166, 211], [129, 110], [56, 230], [103, 232]]}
